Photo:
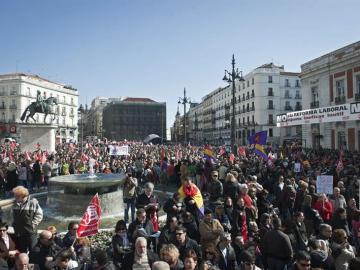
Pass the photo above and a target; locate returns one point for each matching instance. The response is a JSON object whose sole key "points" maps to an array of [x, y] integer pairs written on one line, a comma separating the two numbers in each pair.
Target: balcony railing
{"points": [[3, 107], [357, 96], [287, 96], [340, 100], [314, 104], [270, 107], [298, 107], [252, 95], [12, 106], [288, 108], [252, 109], [271, 122], [13, 93], [270, 94], [298, 97]]}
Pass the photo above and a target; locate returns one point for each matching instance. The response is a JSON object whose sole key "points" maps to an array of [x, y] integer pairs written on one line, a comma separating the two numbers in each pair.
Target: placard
{"points": [[324, 184], [116, 150]]}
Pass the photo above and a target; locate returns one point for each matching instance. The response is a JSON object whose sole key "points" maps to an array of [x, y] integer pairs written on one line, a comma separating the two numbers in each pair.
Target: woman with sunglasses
{"points": [[211, 258]]}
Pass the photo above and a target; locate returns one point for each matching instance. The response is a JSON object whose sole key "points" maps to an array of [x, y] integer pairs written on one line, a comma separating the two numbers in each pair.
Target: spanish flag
{"points": [[193, 192]]}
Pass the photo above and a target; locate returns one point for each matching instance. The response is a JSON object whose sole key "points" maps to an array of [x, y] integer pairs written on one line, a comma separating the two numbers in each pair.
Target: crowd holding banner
{"points": [[261, 208]]}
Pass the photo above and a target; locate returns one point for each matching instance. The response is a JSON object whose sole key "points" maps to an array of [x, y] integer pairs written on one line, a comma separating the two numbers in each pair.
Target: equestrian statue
{"points": [[40, 106]]}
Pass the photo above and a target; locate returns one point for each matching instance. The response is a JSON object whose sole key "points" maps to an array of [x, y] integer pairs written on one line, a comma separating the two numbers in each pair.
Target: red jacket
{"points": [[325, 209]]}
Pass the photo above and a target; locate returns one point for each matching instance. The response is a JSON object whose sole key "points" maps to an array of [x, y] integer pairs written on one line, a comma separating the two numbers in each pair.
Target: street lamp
{"points": [[81, 112], [230, 77], [184, 100]]}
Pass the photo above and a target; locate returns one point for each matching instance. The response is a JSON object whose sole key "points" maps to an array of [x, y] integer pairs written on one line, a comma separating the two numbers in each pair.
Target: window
{"points": [[248, 84], [252, 81], [270, 104], [271, 118], [252, 93], [297, 83], [297, 95], [270, 79], [3, 117], [287, 94], [13, 117], [248, 119], [288, 131], [64, 99], [357, 86], [314, 93], [270, 132], [340, 88], [253, 105], [287, 83], [28, 91], [270, 91], [253, 119]]}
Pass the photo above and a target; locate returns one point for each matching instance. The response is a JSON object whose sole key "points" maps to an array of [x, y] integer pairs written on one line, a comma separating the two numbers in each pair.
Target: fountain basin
{"points": [[69, 195]]}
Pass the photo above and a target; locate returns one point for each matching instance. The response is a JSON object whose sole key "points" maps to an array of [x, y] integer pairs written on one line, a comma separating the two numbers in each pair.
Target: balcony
{"points": [[252, 95], [314, 104], [71, 115], [247, 97], [288, 108], [63, 113], [270, 94], [271, 122], [2, 93], [13, 106], [357, 96], [13, 93], [271, 107], [298, 97], [287, 96], [3, 107], [248, 109], [298, 107], [252, 108], [340, 100]]}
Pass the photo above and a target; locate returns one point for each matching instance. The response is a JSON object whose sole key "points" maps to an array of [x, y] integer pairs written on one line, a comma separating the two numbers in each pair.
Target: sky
{"points": [[155, 48]]}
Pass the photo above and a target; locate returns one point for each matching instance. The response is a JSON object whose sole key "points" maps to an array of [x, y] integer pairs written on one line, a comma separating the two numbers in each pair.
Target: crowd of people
{"points": [[227, 212]]}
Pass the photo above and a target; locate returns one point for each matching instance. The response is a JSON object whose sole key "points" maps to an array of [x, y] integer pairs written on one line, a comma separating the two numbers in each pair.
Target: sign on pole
{"points": [[324, 184]]}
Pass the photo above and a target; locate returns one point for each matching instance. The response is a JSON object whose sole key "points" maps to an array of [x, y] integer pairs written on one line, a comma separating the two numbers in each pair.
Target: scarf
{"points": [[190, 191], [141, 261]]}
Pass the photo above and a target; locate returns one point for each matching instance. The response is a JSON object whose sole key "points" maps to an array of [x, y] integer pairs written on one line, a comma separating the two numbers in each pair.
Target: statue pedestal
{"points": [[33, 134]]}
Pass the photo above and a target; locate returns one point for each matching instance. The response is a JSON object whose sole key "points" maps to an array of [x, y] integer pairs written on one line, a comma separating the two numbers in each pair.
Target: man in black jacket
{"points": [[140, 223], [280, 254], [227, 258], [44, 251], [185, 243]]}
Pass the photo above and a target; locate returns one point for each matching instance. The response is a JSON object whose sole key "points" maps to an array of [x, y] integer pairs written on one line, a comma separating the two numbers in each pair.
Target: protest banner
{"points": [[324, 184]]}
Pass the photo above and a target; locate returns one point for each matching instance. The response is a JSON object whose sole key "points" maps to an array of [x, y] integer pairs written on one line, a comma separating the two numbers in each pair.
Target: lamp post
{"points": [[230, 77], [184, 100], [81, 112]]}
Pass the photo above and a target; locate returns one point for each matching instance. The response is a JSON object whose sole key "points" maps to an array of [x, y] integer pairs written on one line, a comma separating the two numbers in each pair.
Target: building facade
{"points": [[19, 90], [267, 91], [329, 80], [134, 119], [93, 126]]}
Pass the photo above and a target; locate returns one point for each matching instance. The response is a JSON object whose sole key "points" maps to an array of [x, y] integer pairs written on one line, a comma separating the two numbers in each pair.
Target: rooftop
{"points": [[145, 100]]}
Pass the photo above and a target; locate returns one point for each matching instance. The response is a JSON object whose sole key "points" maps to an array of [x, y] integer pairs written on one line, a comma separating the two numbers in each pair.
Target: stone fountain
{"points": [[69, 195]]}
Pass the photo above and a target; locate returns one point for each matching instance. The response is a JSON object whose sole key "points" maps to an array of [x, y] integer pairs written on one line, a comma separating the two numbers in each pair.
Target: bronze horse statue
{"points": [[35, 107]]}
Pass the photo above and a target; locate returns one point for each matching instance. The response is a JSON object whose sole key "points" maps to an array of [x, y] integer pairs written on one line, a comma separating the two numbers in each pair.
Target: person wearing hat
{"points": [[210, 229], [7, 245]]}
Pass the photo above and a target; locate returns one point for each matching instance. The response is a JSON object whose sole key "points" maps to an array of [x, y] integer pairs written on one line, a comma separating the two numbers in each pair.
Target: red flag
{"points": [[242, 151], [43, 159], [162, 154], [232, 158], [27, 156], [90, 222], [339, 166], [12, 146], [84, 157]]}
